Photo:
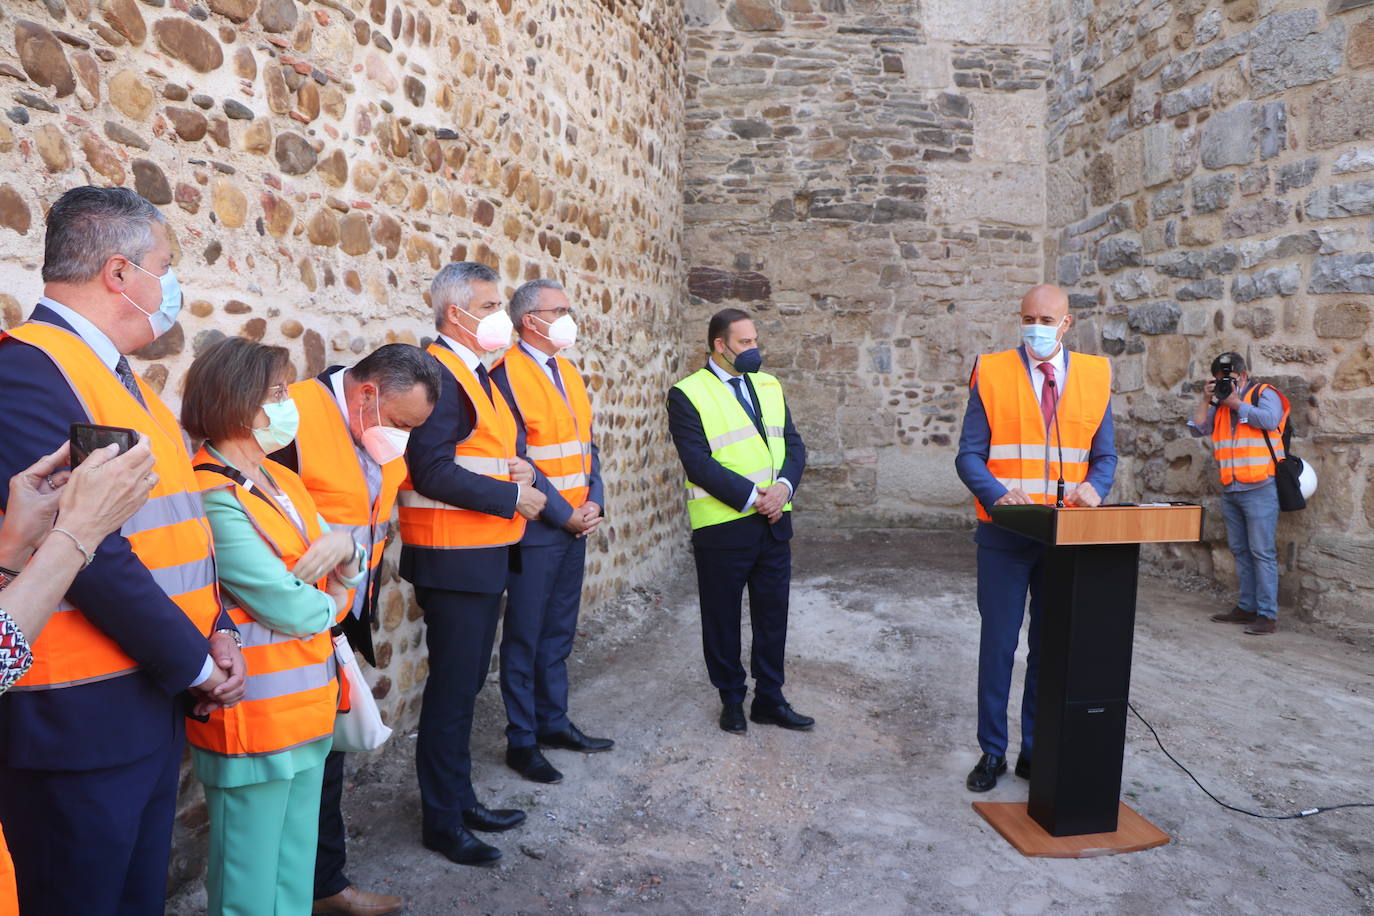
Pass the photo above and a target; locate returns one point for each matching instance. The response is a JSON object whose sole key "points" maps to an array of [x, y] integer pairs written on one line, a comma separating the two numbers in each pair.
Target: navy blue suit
{"points": [[745, 553], [1009, 566], [88, 774], [460, 592], [542, 602]]}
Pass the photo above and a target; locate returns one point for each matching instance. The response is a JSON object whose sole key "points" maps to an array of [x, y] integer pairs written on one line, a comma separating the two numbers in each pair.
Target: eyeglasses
{"points": [[277, 393], [560, 312]]}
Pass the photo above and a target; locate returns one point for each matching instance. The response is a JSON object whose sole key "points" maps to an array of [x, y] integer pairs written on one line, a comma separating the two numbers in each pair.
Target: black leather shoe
{"points": [[572, 739], [1023, 766], [457, 845], [984, 774], [732, 719], [782, 715], [483, 818], [530, 763]]}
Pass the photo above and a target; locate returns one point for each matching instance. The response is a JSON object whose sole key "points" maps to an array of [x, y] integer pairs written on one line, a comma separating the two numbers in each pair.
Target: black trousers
{"points": [[765, 568], [460, 630], [331, 852]]}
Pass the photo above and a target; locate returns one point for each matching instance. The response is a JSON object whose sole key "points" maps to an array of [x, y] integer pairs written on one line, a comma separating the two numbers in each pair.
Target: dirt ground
{"points": [[869, 814]]}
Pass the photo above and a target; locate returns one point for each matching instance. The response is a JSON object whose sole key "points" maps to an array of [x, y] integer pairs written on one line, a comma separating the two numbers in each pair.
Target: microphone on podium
{"points": [[1054, 421]]}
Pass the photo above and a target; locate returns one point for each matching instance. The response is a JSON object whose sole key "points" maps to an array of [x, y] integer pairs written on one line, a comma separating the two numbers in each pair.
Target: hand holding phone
{"points": [[87, 437]]}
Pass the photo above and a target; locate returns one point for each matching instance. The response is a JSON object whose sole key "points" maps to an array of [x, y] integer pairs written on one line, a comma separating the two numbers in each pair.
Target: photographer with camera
{"points": [[1237, 412]]}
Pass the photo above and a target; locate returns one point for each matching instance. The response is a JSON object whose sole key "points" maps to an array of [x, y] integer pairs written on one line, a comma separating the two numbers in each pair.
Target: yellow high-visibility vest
{"points": [[734, 440]]}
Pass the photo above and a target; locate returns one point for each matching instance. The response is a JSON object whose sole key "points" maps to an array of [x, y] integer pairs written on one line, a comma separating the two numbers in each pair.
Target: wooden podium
{"points": [[1086, 633]]}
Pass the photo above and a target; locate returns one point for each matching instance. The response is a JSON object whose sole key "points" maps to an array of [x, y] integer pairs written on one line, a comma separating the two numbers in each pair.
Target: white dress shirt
{"points": [[470, 359], [372, 476]]}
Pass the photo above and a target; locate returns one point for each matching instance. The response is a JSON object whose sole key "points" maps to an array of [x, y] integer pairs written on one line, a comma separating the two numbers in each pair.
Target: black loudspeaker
{"points": [[1086, 629]]}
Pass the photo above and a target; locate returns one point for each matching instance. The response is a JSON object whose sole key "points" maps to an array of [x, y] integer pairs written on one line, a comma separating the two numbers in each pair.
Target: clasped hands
{"points": [[1084, 495], [771, 500]]}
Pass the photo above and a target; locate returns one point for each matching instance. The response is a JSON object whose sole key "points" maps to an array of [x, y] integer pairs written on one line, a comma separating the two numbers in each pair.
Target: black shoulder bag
{"points": [[1286, 474]]}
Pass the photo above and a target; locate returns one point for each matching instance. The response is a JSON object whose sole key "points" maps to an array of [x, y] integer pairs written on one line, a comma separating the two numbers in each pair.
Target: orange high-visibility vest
{"points": [[558, 430], [170, 534], [331, 471], [487, 450], [9, 893], [291, 691], [1019, 455], [1241, 453]]}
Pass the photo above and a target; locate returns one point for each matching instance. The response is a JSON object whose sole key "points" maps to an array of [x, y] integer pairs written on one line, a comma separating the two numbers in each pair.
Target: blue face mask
{"points": [[283, 420], [1040, 339], [750, 360], [170, 307]]}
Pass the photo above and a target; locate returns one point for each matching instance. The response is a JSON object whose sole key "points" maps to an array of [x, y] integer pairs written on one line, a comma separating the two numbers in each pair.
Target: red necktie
{"points": [[1048, 395]]}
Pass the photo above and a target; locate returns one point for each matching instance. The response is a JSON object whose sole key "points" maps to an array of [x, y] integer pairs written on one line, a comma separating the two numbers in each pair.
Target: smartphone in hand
{"points": [[87, 437]]}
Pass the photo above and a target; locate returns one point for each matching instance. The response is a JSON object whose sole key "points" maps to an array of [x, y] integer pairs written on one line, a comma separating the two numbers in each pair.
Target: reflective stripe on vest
{"points": [[169, 534], [1242, 456], [487, 450], [1022, 452], [558, 429], [332, 472], [734, 440], [290, 696]]}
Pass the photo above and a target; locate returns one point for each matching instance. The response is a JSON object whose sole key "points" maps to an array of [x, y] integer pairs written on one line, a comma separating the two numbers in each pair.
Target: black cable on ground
{"points": [[1308, 812]]}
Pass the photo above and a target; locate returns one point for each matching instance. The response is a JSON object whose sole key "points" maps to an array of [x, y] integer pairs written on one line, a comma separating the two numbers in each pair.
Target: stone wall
{"points": [[318, 161], [1209, 188], [868, 178]]}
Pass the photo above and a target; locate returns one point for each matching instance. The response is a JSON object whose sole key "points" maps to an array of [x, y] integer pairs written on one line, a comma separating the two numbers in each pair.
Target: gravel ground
{"points": [[868, 814]]}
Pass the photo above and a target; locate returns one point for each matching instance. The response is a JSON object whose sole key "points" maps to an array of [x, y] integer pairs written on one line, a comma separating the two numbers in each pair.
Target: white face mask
{"points": [[383, 443], [562, 332], [493, 332]]}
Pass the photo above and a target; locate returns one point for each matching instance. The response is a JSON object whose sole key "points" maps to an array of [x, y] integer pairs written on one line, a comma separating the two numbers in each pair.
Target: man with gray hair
{"points": [[91, 738], [462, 514], [554, 414]]}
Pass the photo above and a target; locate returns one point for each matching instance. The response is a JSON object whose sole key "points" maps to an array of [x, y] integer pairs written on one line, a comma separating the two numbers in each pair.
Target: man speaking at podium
{"points": [[1038, 429]]}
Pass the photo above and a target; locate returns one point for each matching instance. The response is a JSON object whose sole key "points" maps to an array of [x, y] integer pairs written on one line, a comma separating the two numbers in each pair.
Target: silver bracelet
{"points": [[90, 557]]}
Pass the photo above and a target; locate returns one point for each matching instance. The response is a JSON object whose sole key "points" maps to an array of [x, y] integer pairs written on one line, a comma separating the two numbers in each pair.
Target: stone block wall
{"points": [[1209, 186], [318, 161], [868, 178]]}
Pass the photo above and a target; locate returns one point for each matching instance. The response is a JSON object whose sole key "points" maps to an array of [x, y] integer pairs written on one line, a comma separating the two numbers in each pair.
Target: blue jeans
{"points": [[1251, 519]]}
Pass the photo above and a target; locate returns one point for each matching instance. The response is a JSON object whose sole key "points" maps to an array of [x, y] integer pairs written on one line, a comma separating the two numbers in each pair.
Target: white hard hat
{"points": [[1307, 480]]}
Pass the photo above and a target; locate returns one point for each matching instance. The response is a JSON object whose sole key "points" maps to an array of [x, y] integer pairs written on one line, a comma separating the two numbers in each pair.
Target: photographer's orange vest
{"points": [[1023, 452], [1242, 456], [169, 534], [330, 470], [487, 450], [292, 693], [558, 430]]}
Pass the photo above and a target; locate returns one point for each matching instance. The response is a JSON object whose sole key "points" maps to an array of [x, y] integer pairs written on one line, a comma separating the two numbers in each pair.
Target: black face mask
{"points": [[750, 360]]}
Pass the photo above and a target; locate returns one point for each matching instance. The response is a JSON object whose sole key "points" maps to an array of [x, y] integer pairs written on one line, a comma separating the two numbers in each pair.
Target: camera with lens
{"points": [[1223, 388]]}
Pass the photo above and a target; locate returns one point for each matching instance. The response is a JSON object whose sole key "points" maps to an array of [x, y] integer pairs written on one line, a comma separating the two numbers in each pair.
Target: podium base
{"points": [[1012, 820]]}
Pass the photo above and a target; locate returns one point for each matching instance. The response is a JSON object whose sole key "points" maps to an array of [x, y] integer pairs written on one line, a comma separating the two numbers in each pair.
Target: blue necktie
{"points": [[557, 379]]}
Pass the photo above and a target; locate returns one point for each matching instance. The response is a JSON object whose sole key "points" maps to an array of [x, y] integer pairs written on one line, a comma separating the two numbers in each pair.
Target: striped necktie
{"points": [[126, 378]]}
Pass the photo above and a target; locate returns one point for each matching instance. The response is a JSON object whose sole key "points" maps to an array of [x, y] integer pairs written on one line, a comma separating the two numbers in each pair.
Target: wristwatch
{"points": [[232, 634]]}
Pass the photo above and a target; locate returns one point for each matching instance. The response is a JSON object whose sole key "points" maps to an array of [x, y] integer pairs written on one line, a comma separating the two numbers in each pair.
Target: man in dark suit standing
{"points": [[91, 739], [555, 418], [743, 460], [462, 511]]}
